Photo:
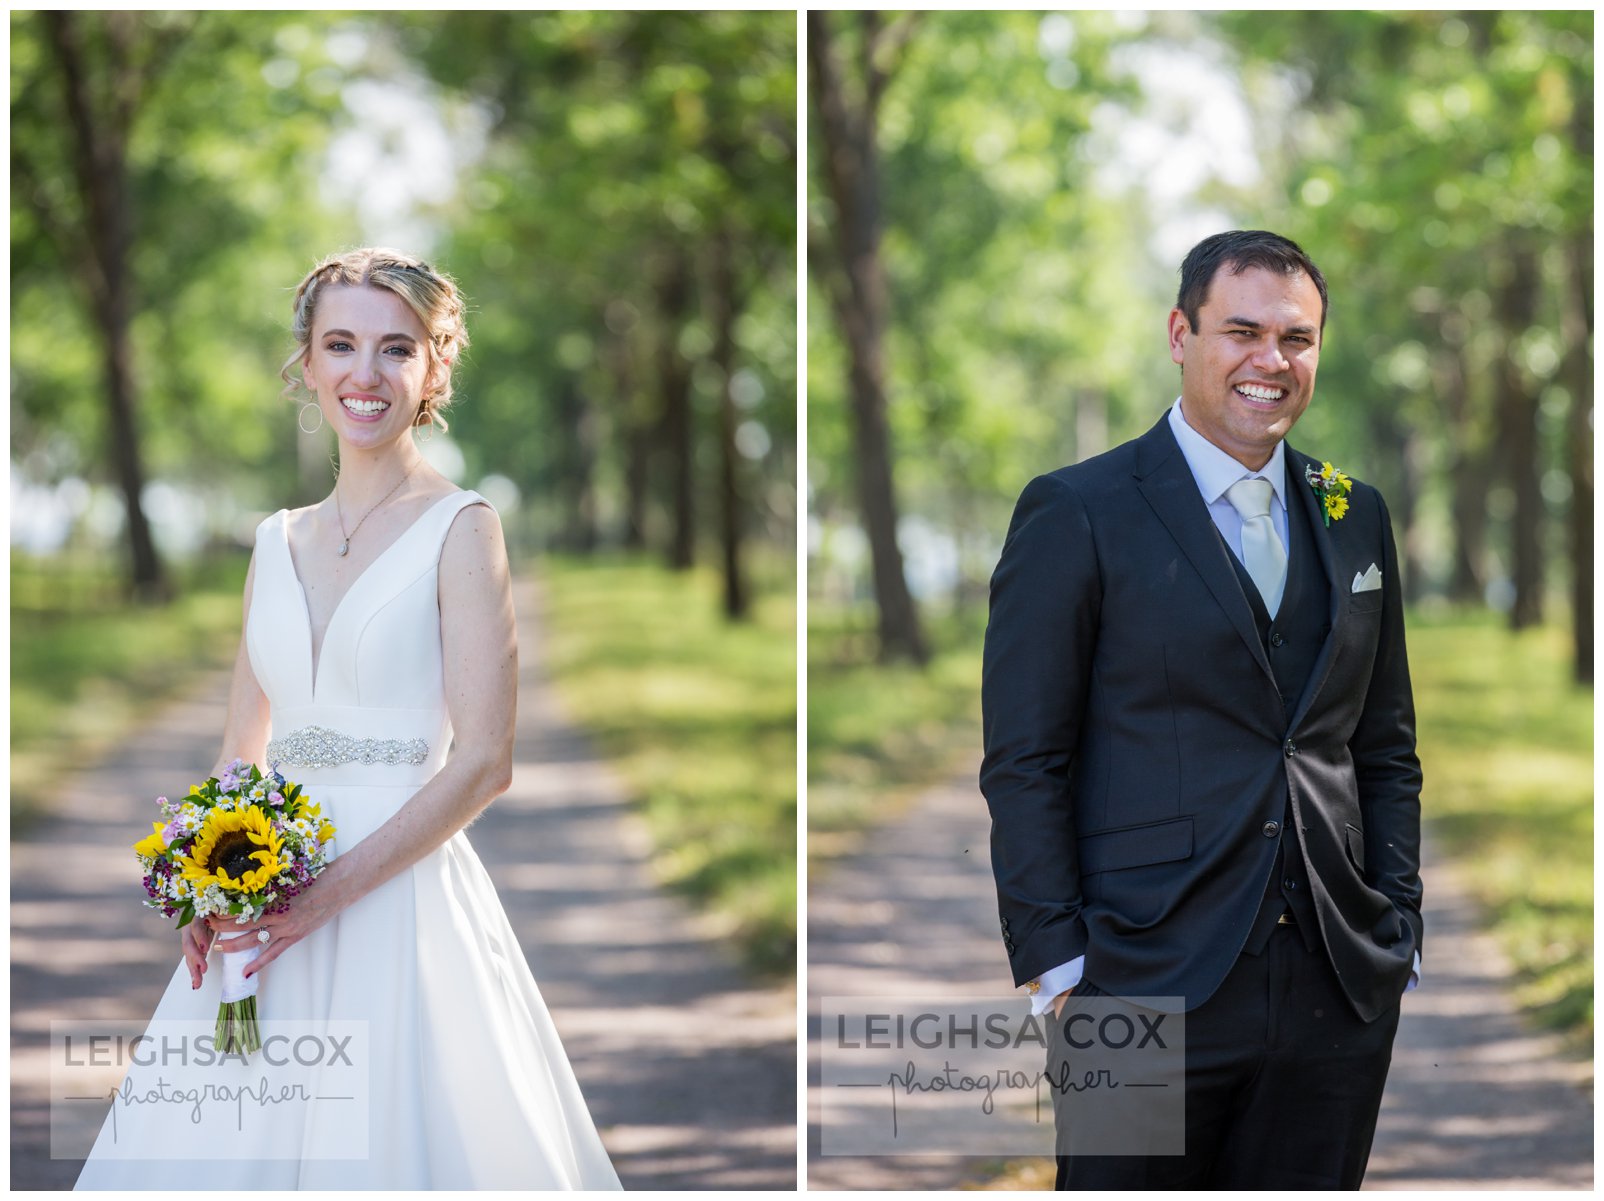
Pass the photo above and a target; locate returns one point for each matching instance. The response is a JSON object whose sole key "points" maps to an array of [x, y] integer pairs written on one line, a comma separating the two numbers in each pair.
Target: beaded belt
{"points": [[318, 746]]}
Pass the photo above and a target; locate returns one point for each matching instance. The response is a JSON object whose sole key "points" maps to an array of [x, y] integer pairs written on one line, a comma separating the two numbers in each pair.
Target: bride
{"points": [[379, 632]]}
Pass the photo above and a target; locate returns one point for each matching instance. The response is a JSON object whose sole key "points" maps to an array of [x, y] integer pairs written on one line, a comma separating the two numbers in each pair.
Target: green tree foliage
{"points": [[226, 114], [1018, 293], [640, 176], [1442, 164], [624, 152], [1437, 165]]}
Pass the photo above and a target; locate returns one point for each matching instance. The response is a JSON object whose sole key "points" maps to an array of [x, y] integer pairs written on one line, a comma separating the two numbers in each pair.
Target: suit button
{"points": [[1271, 829], [1290, 884], [1005, 923], [1290, 749], [1275, 638]]}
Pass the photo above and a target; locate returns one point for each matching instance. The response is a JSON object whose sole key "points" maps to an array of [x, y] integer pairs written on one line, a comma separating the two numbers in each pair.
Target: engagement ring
{"points": [[263, 936]]}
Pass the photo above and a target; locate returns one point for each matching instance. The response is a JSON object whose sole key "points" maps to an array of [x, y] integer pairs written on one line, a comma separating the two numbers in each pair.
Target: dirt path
{"points": [[688, 1069], [1474, 1100]]}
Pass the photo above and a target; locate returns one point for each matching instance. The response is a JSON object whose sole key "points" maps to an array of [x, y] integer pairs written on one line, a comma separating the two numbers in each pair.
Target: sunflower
{"points": [[236, 850], [155, 844]]}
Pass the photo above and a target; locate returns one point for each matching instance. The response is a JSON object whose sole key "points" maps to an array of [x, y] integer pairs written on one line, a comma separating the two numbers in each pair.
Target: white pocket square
{"points": [[1370, 581]]}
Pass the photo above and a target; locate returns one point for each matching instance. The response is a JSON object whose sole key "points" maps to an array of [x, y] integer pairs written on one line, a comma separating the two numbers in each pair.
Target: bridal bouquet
{"points": [[240, 844]]}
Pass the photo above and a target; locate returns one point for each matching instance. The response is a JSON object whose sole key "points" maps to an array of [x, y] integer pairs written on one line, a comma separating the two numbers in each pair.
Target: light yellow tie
{"points": [[1262, 552]]}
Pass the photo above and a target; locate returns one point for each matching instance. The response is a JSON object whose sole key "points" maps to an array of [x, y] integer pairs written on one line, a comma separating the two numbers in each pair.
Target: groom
{"points": [[1200, 750]]}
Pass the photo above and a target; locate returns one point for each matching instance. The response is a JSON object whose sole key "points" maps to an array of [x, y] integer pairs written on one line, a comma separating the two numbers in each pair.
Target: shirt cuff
{"points": [[1414, 974], [1054, 981]]}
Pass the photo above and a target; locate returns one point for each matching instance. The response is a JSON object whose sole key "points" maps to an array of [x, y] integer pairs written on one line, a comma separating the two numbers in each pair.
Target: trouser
{"points": [[1283, 1084]]}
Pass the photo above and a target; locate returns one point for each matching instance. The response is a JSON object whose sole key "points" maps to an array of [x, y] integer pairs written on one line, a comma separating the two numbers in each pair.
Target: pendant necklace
{"points": [[346, 545]]}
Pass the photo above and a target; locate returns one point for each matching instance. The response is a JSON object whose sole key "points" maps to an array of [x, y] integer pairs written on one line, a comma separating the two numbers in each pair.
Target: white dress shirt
{"points": [[1215, 472]]}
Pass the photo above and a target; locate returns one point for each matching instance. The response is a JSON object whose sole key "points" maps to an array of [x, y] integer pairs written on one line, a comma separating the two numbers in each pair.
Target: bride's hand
{"points": [[195, 940], [308, 910]]}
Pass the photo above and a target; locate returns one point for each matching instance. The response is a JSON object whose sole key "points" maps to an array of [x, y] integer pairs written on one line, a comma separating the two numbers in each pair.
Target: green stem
{"points": [[236, 1027]]}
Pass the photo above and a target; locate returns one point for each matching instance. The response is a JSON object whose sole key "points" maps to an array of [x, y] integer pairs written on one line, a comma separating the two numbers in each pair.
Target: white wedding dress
{"points": [[467, 1084]]}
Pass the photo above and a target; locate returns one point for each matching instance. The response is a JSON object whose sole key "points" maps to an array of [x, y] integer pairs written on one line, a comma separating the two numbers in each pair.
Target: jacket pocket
{"points": [[1136, 846], [1365, 602]]}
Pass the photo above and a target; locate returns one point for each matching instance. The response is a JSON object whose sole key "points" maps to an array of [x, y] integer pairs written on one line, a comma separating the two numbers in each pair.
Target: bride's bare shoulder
{"points": [[474, 540]]}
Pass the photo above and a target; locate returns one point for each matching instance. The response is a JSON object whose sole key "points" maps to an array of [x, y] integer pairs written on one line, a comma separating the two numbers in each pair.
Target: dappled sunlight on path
{"points": [[688, 1069]]}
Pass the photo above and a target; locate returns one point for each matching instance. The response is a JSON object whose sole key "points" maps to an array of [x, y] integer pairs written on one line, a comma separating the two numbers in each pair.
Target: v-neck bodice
{"points": [[380, 661]]}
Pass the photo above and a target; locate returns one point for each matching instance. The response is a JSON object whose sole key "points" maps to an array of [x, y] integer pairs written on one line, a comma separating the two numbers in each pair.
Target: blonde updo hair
{"points": [[431, 295]]}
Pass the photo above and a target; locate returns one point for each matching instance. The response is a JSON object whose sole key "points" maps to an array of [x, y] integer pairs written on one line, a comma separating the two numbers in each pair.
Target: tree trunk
{"points": [[737, 602], [1517, 307], [1091, 424], [578, 418], [1577, 372], [99, 153], [674, 377], [1403, 496], [1467, 467], [635, 435], [861, 306]]}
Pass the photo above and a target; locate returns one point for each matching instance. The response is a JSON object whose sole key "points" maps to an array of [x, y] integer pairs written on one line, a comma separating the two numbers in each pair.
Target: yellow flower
{"points": [[325, 833], [1336, 506], [236, 849], [1327, 471], [305, 808], [1345, 483], [154, 844]]}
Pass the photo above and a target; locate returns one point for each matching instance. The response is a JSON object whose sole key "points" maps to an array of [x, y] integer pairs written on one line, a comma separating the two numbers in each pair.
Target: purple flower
{"points": [[173, 832]]}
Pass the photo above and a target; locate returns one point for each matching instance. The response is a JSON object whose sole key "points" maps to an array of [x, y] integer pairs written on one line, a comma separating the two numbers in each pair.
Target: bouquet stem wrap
{"points": [[236, 1016]]}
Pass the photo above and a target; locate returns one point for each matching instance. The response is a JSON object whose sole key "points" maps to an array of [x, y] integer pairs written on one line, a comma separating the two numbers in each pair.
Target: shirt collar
{"points": [[1214, 470]]}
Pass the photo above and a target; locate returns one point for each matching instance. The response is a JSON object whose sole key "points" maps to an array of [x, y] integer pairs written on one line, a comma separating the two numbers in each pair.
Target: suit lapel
{"points": [[1169, 487], [1297, 482]]}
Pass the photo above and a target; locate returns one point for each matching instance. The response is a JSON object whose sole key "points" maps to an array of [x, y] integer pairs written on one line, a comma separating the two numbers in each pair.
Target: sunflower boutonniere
{"points": [[1332, 487]]}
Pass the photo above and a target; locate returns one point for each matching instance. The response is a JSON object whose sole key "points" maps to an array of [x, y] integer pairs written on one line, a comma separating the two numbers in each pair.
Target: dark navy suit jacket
{"points": [[1137, 746]]}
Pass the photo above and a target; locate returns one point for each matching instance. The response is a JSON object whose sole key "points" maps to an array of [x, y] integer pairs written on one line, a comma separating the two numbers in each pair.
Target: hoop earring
{"points": [[300, 419]]}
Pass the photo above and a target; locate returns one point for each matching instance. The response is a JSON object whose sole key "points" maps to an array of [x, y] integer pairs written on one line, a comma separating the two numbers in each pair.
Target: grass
{"points": [[85, 667], [1506, 745], [878, 734], [699, 715], [1505, 741]]}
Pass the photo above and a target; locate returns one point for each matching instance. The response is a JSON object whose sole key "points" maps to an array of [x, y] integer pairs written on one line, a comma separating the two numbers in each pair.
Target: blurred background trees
{"points": [[614, 192], [1037, 180]]}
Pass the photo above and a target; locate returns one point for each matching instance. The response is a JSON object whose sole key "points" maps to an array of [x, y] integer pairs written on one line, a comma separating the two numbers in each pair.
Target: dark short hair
{"points": [[1240, 249]]}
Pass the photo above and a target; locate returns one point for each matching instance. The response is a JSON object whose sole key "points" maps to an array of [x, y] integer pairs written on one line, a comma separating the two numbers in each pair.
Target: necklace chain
{"points": [[345, 546]]}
